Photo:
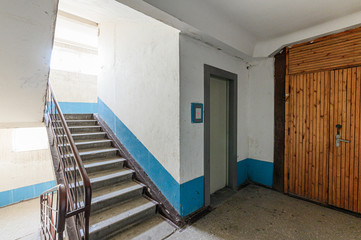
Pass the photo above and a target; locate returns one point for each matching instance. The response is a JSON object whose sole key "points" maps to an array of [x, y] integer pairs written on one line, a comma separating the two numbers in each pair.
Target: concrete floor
{"points": [[252, 213], [259, 213], [20, 220]]}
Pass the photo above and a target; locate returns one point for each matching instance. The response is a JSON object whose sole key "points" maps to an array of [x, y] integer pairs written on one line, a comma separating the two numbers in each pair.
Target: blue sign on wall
{"points": [[197, 112]]}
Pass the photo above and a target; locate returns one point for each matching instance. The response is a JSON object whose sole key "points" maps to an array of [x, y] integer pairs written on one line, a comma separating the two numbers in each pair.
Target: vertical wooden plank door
{"points": [[308, 135], [345, 167], [320, 106]]}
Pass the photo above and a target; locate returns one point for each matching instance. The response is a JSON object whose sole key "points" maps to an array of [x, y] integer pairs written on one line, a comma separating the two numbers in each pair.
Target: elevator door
{"points": [[218, 134]]}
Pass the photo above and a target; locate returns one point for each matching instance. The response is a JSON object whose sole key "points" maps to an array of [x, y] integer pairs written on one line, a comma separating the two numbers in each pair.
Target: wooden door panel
{"points": [[308, 142], [345, 172]]}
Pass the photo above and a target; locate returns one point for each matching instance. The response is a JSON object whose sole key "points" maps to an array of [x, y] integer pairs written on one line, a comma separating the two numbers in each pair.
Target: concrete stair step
{"points": [[110, 177], [85, 129], [89, 136], [90, 122], [78, 116], [102, 164], [110, 195], [94, 153], [154, 228], [80, 129], [96, 143], [120, 217], [107, 178]]}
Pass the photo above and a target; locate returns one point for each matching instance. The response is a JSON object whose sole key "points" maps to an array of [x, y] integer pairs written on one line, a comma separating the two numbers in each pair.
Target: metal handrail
{"points": [[76, 180], [52, 214]]}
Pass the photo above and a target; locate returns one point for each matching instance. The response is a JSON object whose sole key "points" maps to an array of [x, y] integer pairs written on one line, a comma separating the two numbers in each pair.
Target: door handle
{"points": [[339, 140]]}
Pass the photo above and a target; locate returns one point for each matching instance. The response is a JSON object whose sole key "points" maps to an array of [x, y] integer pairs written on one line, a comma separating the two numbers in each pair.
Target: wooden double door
{"points": [[316, 167]]}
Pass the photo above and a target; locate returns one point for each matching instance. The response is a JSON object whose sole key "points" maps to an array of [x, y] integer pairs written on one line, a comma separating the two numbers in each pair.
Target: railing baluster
{"points": [[68, 158], [52, 214]]}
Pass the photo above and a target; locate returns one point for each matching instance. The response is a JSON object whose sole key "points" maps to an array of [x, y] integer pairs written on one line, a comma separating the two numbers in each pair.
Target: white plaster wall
{"points": [[27, 29], [74, 87], [193, 55], [139, 81], [270, 46], [19, 169], [261, 110], [201, 20]]}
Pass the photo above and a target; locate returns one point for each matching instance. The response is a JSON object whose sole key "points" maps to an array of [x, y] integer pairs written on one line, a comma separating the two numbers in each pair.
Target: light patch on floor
{"points": [[260, 213], [20, 220]]}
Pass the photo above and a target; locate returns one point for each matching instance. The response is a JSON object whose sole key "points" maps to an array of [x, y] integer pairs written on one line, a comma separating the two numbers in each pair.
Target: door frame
{"points": [[279, 120], [210, 71]]}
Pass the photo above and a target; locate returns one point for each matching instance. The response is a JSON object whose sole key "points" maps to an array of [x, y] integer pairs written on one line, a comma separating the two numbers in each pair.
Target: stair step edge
{"points": [[121, 217], [99, 163], [117, 193], [105, 177], [98, 151], [104, 162], [90, 142], [112, 175], [90, 133]]}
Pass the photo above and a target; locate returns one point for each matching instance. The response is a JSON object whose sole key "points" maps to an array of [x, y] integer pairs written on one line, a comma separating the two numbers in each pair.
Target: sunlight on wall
{"points": [[72, 60], [25, 157], [30, 139], [74, 63]]}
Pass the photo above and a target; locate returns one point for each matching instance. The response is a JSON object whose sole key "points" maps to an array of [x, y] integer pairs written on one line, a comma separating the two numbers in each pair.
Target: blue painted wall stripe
{"points": [[186, 197], [191, 196], [255, 170], [260, 172], [24, 193], [242, 175], [78, 107]]}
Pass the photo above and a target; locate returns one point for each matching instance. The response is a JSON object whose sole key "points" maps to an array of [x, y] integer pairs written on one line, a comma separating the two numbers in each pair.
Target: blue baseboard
{"points": [[191, 196], [24, 193], [260, 172], [242, 175], [78, 107], [257, 171]]}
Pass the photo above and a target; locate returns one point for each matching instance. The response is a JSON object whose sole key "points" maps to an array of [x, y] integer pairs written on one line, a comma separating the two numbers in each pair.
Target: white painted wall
{"points": [[193, 55], [19, 169], [204, 17], [261, 110], [247, 28], [198, 19], [27, 29], [74, 87], [270, 46], [139, 81]]}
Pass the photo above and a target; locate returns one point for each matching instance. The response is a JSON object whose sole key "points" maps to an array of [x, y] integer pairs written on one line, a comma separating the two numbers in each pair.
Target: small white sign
{"points": [[198, 113]]}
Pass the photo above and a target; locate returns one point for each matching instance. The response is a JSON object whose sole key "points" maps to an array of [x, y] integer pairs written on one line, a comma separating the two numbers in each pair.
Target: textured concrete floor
{"points": [[20, 220], [252, 213], [259, 213]]}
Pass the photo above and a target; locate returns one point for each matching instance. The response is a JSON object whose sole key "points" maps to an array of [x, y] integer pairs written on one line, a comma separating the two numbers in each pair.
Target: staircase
{"points": [[119, 207]]}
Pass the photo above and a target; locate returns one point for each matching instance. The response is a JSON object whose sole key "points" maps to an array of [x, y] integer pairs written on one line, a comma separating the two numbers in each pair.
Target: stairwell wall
{"points": [[26, 164], [27, 29], [261, 121], [193, 55], [138, 90]]}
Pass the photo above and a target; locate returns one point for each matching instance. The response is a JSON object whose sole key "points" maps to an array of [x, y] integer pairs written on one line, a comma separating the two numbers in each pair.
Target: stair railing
{"points": [[53, 204], [76, 180]]}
